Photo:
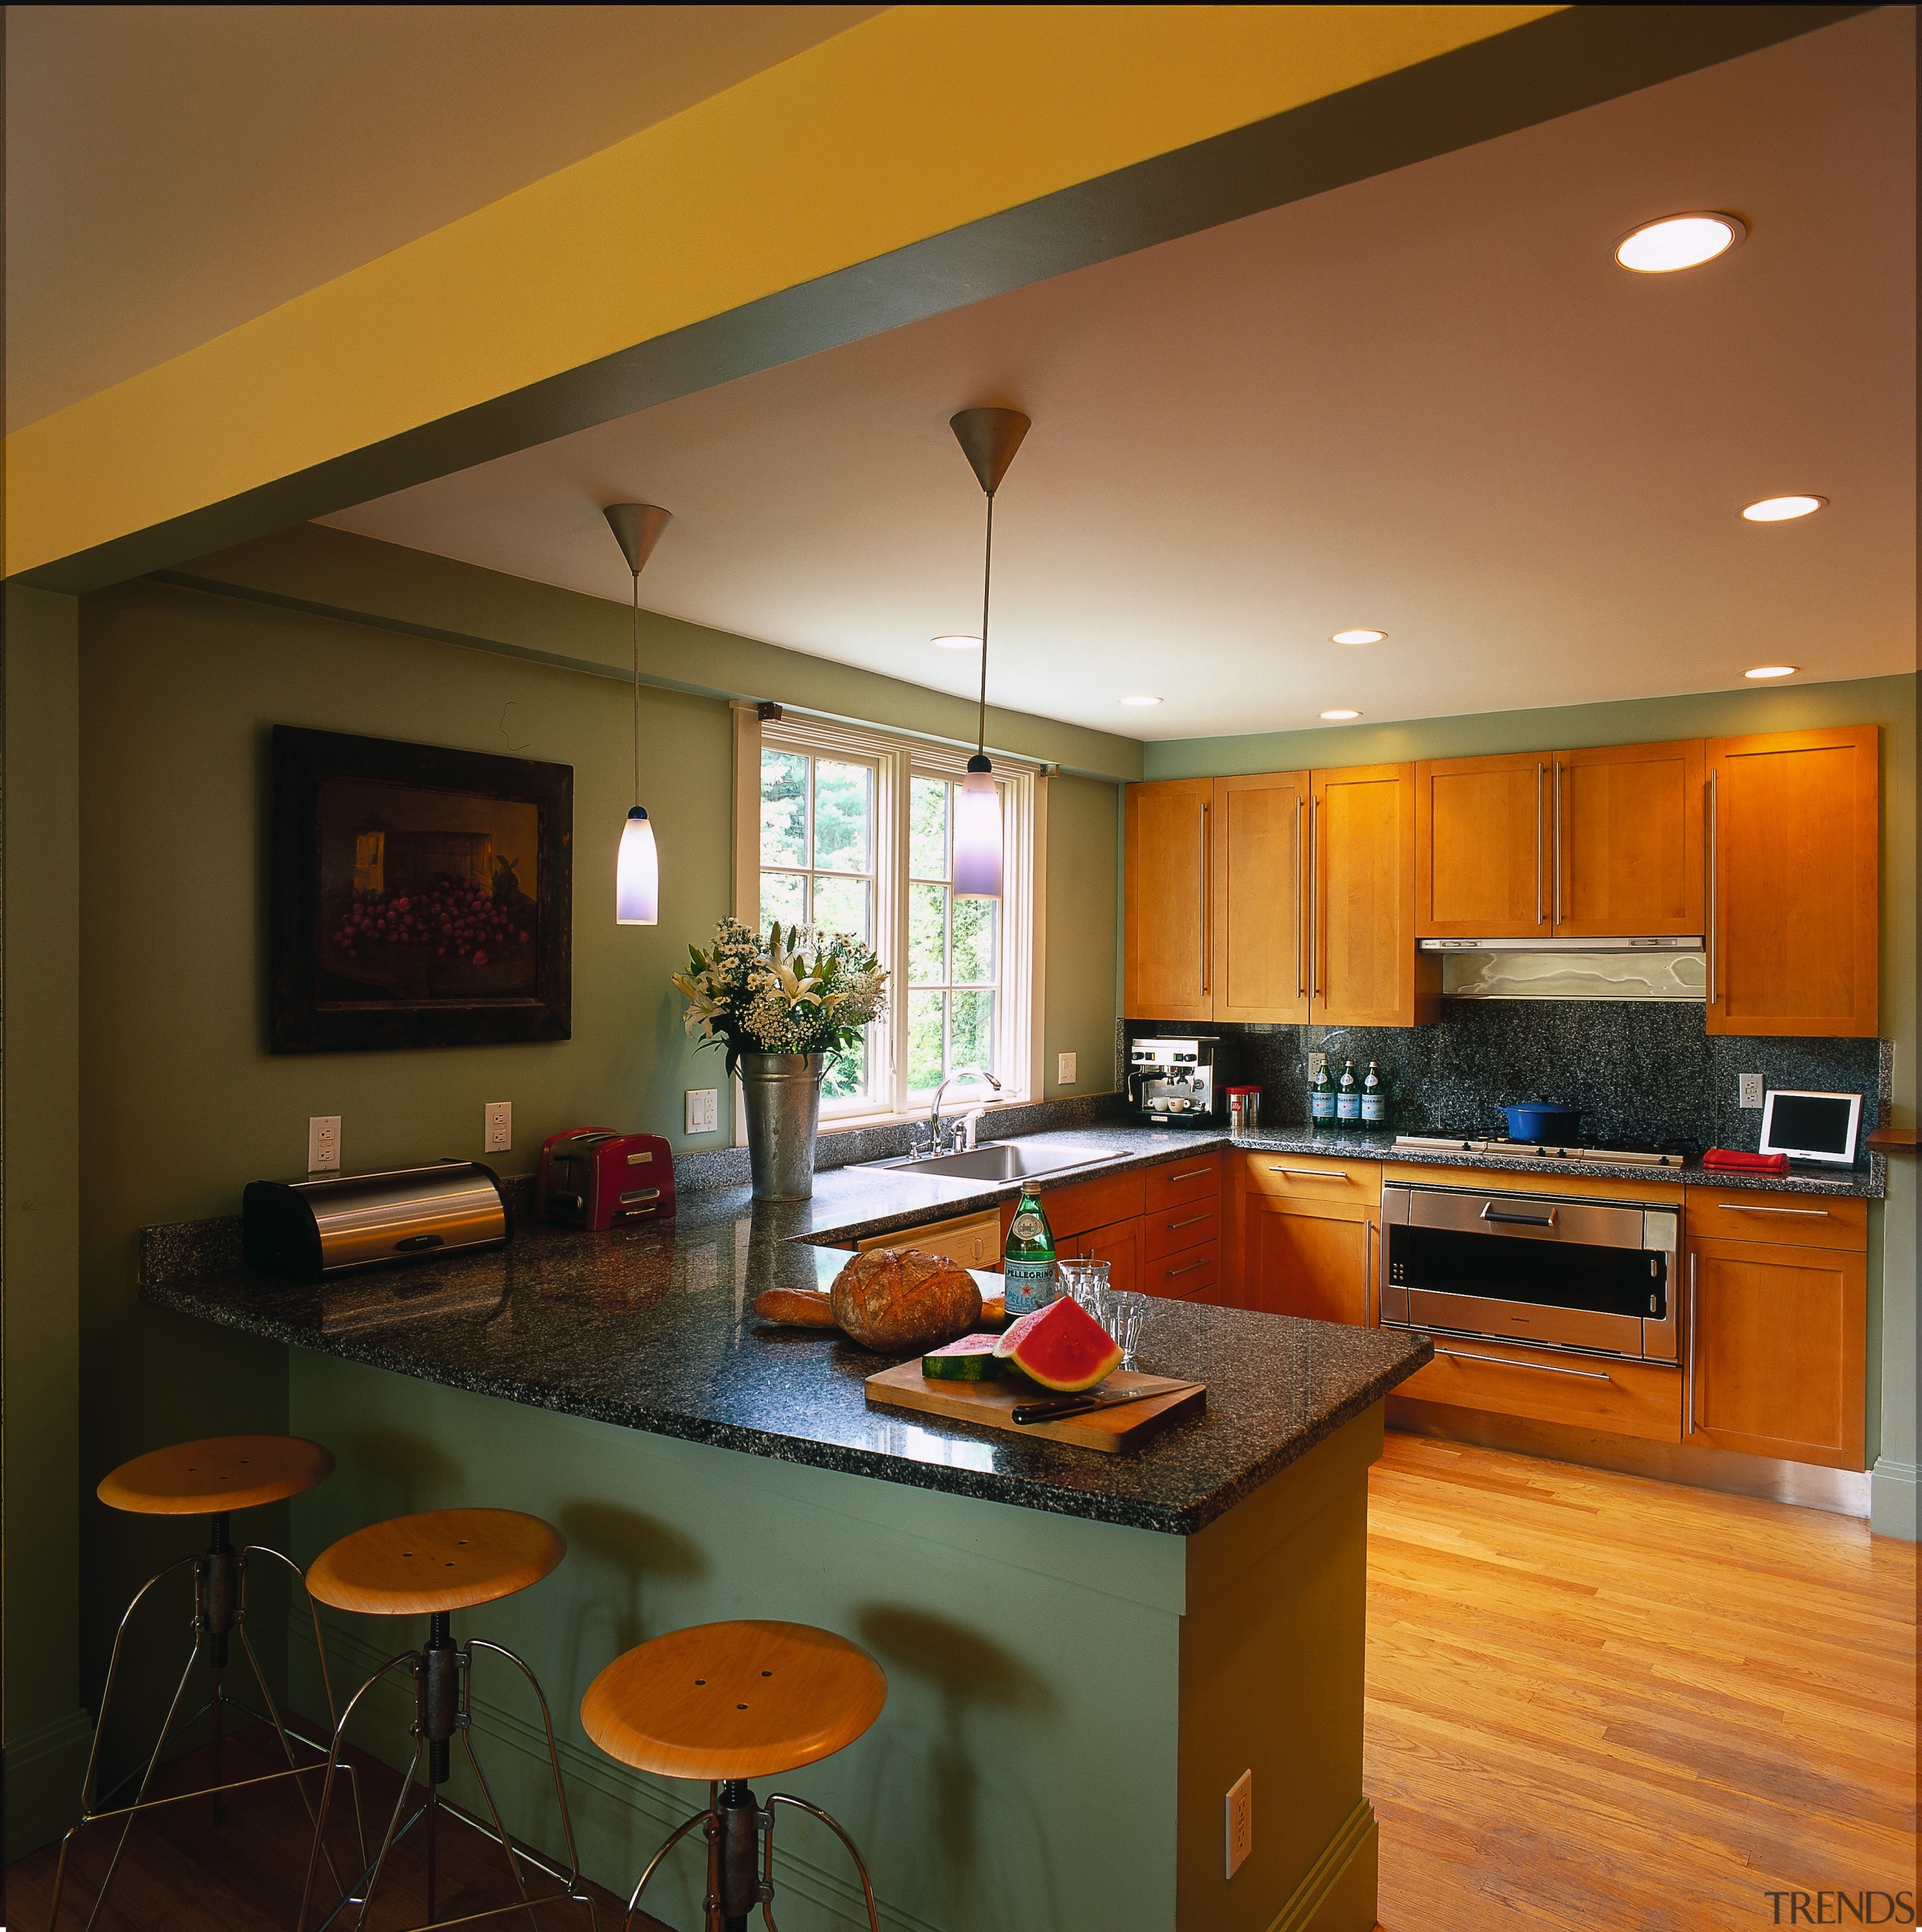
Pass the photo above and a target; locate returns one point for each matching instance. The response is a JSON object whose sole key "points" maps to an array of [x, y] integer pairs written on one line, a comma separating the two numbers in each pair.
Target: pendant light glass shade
{"points": [[977, 834], [638, 874]]}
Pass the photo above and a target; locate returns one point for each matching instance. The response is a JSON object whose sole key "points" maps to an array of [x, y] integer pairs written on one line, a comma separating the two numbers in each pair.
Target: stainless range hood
{"points": [[1649, 945]]}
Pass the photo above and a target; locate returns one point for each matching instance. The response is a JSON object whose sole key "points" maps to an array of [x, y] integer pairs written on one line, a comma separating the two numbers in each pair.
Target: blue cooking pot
{"points": [[1544, 1120]]}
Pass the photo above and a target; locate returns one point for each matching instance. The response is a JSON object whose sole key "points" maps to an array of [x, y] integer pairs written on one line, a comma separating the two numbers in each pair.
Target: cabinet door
{"points": [[1627, 841], [1776, 1337], [1165, 874], [1119, 1244], [1259, 862], [1481, 848], [1363, 969], [1298, 1264], [1794, 827]]}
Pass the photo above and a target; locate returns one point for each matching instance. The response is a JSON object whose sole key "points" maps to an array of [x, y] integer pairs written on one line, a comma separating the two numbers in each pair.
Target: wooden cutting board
{"points": [[990, 1405]]}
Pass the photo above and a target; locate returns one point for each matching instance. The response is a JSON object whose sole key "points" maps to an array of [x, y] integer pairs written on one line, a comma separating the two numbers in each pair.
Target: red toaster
{"points": [[593, 1178]]}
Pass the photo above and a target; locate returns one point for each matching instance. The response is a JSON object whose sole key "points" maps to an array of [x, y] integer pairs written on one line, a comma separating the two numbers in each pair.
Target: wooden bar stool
{"points": [[212, 1477], [723, 1703], [433, 1564]]}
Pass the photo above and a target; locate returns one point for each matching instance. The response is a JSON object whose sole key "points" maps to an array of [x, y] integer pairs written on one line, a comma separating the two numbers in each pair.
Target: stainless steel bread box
{"points": [[334, 1224]]}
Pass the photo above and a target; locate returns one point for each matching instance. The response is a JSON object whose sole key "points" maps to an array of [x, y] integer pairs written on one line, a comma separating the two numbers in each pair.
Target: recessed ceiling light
{"points": [[1141, 698], [1783, 509], [1772, 670], [958, 643], [1679, 241], [1359, 637], [1341, 714]]}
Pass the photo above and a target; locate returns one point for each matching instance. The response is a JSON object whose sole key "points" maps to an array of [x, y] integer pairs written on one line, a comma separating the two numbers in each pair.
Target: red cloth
{"points": [[1730, 1158]]}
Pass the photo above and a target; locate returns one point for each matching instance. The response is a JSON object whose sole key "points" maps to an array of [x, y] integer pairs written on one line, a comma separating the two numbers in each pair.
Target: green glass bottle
{"points": [[1027, 1261]]}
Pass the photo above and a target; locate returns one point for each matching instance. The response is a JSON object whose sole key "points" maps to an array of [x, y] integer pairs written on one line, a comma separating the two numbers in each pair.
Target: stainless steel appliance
{"points": [[1596, 1276], [1177, 1082], [328, 1225], [1631, 1153]]}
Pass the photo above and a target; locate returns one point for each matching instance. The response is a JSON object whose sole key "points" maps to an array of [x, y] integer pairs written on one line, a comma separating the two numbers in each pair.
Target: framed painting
{"points": [[418, 896]]}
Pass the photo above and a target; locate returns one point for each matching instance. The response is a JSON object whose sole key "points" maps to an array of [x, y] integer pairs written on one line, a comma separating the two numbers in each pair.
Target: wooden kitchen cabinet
{"points": [[1119, 1244], [1259, 868], [1794, 827], [1300, 1260], [1482, 849], [1626, 838], [1165, 972], [1363, 968], [1776, 1345]]}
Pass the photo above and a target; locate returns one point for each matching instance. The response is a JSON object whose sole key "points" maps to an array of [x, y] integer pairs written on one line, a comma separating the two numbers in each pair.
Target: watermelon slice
{"points": [[1060, 1347], [970, 1359]]}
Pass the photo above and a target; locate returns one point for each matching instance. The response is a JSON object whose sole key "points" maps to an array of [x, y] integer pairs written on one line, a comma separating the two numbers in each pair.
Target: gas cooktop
{"points": [[1623, 1153]]}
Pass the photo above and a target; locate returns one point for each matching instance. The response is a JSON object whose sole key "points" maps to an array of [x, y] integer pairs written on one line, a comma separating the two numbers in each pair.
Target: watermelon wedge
{"points": [[970, 1359], [1060, 1347]]}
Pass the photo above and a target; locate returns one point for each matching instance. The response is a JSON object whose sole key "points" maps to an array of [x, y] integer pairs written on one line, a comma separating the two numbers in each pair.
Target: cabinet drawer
{"points": [[1794, 1221], [1351, 1189], [1187, 1225], [1193, 1275], [974, 1241], [1086, 1203], [1624, 1398], [1197, 1178]]}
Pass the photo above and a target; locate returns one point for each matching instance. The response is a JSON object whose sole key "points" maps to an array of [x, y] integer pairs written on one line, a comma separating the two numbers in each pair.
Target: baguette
{"points": [[801, 1308]]}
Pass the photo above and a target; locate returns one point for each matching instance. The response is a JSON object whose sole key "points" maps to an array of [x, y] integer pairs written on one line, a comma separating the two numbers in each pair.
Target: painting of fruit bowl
{"points": [[421, 894]]}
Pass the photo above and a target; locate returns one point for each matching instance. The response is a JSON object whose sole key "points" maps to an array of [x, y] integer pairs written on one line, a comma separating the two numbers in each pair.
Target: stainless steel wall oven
{"points": [[1593, 1277]]}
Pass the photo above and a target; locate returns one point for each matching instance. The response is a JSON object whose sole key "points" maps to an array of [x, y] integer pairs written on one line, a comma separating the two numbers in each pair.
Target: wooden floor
{"points": [[1594, 1702], [1599, 1701]]}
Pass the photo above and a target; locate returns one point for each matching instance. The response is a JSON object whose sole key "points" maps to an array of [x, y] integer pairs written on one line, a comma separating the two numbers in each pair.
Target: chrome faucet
{"points": [[934, 1112]]}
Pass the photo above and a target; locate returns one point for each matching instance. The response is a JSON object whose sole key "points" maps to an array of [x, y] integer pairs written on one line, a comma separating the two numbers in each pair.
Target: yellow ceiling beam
{"points": [[912, 124]]}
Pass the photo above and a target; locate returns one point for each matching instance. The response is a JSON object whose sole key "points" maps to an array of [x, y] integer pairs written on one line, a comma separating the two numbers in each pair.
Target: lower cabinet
{"points": [[974, 1241], [1295, 1262], [1777, 1335], [1119, 1244], [1586, 1391]]}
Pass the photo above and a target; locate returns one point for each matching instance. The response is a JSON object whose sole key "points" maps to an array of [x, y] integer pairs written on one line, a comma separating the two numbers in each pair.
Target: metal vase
{"points": [[782, 1093]]}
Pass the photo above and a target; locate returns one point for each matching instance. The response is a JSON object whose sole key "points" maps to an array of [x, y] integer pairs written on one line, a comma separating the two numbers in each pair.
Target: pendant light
{"points": [[637, 529], [989, 438]]}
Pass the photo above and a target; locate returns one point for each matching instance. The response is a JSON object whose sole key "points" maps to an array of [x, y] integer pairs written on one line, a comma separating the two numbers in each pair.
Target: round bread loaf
{"points": [[900, 1301]]}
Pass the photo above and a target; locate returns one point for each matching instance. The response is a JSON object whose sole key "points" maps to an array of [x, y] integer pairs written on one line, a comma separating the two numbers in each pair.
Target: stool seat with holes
{"points": [[212, 1477], [722, 1703], [431, 1565]]}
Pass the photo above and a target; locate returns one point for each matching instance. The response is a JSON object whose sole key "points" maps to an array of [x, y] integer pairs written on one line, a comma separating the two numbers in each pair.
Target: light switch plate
{"points": [[1316, 1061], [1064, 1069], [1750, 1084], [704, 1109], [498, 1119], [324, 1143], [1240, 1821]]}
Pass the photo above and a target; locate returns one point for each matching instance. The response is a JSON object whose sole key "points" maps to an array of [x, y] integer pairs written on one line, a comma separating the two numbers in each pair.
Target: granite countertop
{"points": [[652, 1327]]}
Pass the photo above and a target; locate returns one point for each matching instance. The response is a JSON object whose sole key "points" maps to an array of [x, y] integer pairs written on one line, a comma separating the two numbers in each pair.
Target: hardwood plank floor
{"points": [[1599, 1701]]}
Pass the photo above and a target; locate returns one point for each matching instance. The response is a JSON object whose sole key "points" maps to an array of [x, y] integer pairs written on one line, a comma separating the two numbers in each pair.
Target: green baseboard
{"points": [[1339, 1891], [44, 1768]]}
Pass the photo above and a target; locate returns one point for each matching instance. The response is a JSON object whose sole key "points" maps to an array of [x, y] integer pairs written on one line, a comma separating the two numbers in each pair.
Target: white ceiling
{"points": [[173, 172], [1428, 403]]}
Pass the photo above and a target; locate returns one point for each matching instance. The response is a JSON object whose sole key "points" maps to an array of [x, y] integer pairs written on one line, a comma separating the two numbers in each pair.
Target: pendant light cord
{"points": [[636, 688], [987, 581]]}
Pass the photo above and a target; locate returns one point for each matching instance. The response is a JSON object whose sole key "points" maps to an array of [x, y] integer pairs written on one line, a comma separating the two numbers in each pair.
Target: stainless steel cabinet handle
{"points": [[1192, 1220], [1558, 842], [1189, 1270], [1314, 898], [1314, 1173], [1538, 841], [1207, 948], [1714, 991], [1690, 1391], [1488, 1213], [1300, 986], [1193, 1173], [1539, 1368], [1810, 1213]]}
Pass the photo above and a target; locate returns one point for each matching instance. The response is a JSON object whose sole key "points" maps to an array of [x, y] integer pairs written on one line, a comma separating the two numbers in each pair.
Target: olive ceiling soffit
{"points": [[1555, 64]]}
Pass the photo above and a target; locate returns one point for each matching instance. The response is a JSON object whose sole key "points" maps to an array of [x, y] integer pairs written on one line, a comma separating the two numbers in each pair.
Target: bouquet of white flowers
{"points": [[799, 991]]}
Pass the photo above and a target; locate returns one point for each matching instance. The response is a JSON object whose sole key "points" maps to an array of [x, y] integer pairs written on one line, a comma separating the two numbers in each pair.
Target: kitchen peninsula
{"points": [[1084, 1651]]}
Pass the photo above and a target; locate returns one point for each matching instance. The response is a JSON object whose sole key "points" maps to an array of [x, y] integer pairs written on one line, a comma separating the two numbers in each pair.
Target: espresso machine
{"points": [[1177, 1082]]}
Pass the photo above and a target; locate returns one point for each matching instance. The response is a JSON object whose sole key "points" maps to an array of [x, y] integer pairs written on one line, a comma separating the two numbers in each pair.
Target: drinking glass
{"points": [[1125, 1317], [1067, 1274]]}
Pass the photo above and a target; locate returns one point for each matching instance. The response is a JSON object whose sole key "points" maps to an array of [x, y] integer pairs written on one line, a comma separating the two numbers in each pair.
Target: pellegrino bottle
{"points": [[1374, 1099], [1347, 1099], [1027, 1261], [1321, 1097]]}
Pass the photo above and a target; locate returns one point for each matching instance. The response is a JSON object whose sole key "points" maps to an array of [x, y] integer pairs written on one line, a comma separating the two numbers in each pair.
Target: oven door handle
{"points": [[1488, 1213]]}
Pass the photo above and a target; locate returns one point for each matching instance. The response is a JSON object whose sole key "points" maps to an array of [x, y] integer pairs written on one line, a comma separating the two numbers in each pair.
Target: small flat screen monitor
{"points": [[1812, 1126]]}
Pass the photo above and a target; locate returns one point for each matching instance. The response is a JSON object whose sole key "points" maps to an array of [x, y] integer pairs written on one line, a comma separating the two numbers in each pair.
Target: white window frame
{"points": [[897, 759]]}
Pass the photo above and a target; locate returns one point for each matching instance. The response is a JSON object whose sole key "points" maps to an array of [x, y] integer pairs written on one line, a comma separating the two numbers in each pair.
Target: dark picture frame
{"points": [[418, 896]]}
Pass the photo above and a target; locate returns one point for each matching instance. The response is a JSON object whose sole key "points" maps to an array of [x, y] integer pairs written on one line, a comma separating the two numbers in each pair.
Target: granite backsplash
{"points": [[1645, 1070]]}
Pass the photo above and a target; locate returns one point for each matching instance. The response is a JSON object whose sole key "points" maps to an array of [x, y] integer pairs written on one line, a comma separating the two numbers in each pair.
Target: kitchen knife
{"points": [[1082, 1405]]}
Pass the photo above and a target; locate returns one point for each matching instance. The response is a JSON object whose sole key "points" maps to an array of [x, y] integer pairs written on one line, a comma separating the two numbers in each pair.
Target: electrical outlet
{"points": [[1750, 1084], [1316, 1061], [1240, 1821], [324, 1143], [704, 1109], [498, 1119], [1064, 1069]]}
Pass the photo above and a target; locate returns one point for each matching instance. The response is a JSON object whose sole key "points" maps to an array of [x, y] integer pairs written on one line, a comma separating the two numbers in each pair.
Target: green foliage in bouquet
{"points": [[798, 991]]}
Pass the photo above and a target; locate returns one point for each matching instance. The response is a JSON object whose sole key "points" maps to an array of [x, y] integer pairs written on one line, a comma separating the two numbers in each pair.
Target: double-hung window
{"points": [[851, 831]]}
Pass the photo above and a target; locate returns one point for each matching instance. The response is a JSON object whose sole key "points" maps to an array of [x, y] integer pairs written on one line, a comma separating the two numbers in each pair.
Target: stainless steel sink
{"points": [[1003, 1160]]}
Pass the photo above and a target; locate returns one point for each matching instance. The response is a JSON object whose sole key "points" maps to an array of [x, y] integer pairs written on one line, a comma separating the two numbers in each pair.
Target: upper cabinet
{"points": [[1793, 828], [1595, 844], [1166, 966], [1260, 872], [1362, 967]]}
